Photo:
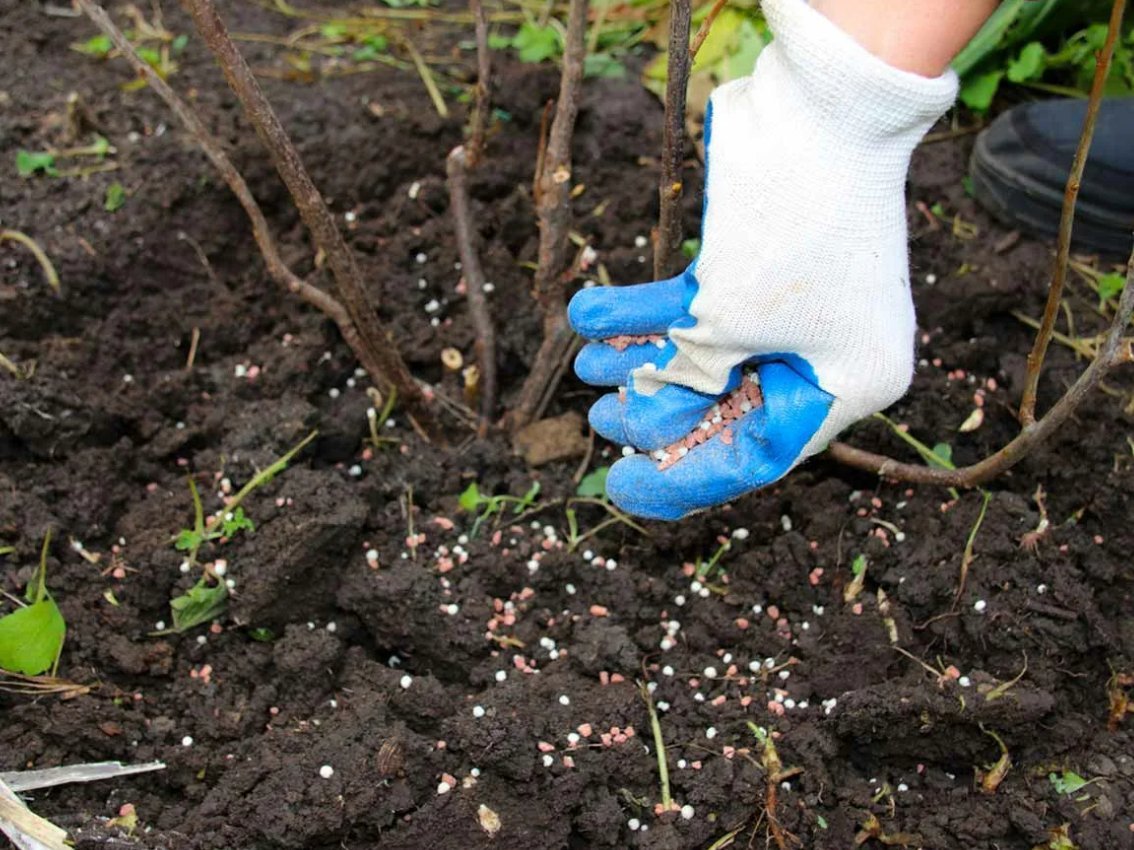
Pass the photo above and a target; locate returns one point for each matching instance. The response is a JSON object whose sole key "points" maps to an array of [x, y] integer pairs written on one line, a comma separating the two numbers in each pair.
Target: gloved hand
{"points": [[802, 277]]}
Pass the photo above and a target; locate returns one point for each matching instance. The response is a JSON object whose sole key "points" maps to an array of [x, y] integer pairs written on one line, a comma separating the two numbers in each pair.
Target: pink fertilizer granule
{"points": [[744, 399]]}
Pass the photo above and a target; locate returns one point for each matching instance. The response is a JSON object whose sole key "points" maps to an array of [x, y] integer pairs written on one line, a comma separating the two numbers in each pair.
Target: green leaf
{"points": [[187, 540], [470, 500], [115, 197], [32, 638], [978, 91], [821, 821], [1012, 22], [201, 603], [234, 521], [29, 162], [534, 43], [373, 46], [603, 66], [691, 248], [1111, 286], [858, 566], [1067, 782], [333, 30], [758, 732], [1029, 64], [150, 56], [262, 634], [178, 44], [100, 147], [942, 456], [496, 41], [594, 484], [98, 46]]}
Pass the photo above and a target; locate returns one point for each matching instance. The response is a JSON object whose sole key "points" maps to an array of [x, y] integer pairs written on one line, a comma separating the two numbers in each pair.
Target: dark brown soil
{"points": [[97, 443]]}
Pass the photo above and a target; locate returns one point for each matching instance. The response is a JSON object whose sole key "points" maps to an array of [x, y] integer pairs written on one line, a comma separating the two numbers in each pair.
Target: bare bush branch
{"points": [[704, 29], [667, 242], [485, 344], [277, 269], [376, 347], [462, 160], [482, 111], [1066, 221], [553, 206]]}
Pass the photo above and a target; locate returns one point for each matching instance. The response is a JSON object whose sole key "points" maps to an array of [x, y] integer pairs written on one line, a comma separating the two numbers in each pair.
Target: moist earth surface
{"points": [[392, 673]]}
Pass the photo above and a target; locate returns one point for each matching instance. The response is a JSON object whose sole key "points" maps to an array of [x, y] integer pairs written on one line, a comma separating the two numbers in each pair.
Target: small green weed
{"points": [[858, 578], [154, 43], [1068, 782], [98, 46], [33, 162], [1059, 838], [708, 572], [474, 502], [591, 490], [593, 485], [206, 599], [199, 604], [30, 163], [115, 197], [31, 637]]}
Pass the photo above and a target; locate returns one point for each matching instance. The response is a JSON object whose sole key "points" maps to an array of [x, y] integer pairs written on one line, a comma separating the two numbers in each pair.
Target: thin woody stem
{"points": [[457, 167], [381, 359], [1066, 222], [703, 30], [667, 247], [483, 109], [552, 193], [461, 161], [277, 269]]}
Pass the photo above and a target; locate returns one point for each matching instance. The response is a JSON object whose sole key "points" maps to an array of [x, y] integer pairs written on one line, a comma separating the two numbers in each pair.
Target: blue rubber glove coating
{"points": [[764, 445], [603, 312]]}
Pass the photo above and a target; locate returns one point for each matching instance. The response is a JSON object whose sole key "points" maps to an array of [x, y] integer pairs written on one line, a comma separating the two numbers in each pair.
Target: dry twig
{"points": [[667, 243], [1066, 221], [27, 830], [355, 316], [37, 252], [553, 206]]}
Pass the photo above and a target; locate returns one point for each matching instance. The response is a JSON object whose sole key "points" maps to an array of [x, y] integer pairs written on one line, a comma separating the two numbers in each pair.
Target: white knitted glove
{"points": [[803, 255]]}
